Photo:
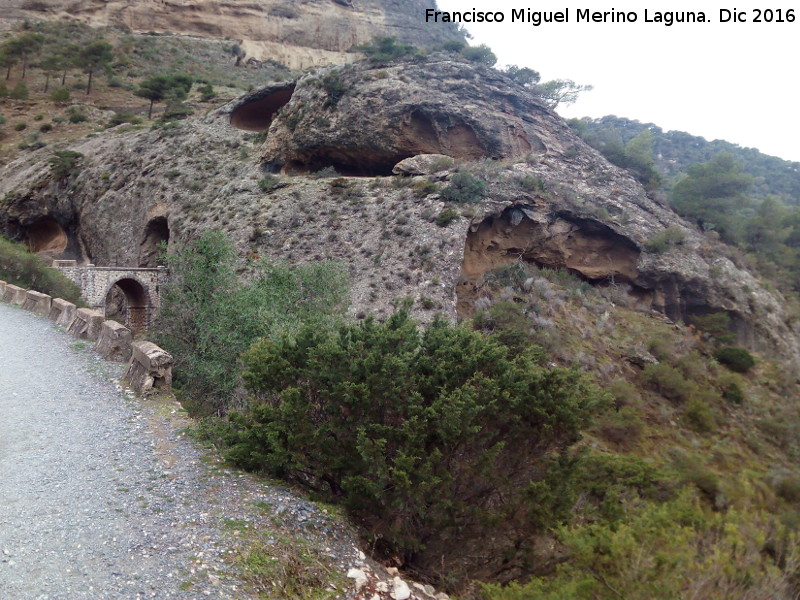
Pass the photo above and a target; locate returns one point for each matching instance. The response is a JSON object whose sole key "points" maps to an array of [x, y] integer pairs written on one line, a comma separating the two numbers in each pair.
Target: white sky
{"points": [[733, 81]]}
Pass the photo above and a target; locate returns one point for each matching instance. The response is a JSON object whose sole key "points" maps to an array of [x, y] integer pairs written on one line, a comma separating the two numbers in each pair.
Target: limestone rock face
{"points": [[551, 200], [423, 164], [297, 33], [364, 119]]}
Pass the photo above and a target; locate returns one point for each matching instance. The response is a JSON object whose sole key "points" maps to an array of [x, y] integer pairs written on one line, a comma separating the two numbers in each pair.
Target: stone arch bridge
{"points": [[141, 286]]}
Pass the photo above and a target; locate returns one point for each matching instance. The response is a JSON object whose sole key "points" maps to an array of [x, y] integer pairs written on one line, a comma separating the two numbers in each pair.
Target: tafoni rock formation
{"points": [[248, 168]]}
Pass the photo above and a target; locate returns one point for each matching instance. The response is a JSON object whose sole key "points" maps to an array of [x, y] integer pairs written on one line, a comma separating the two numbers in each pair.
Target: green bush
{"points": [[60, 95], [20, 267], [19, 92], [207, 93], [622, 427], [464, 187], [698, 415], [447, 216], [21, 126], [611, 482], [479, 54], [123, 117], [735, 358], [668, 382], [788, 488], [76, 116], [668, 551], [733, 393], [665, 239], [208, 317], [507, 320], [430, 437], [268, 183], [716, 326], [424, 187], [335, 88], [386, 49], [65, 163]]}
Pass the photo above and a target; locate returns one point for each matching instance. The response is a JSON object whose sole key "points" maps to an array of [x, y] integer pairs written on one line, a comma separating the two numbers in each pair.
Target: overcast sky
{"points": [[731, 81]]}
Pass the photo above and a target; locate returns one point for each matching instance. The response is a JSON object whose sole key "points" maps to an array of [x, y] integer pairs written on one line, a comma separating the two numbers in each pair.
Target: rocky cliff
{"points": [[550, 199], [297, 33]]}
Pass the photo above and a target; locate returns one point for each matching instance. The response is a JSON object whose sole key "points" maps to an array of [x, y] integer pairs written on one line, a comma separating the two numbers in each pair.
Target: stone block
{"points": [[36, 302], [86, 324], [3, 285], [150, 368], [114, 342], [62, 312], [14, 295]]}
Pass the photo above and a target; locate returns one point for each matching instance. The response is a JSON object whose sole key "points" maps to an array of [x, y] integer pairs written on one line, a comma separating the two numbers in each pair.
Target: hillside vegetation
{"points": [[675, 151], [45, 97], [20, 267], [562, 440]]}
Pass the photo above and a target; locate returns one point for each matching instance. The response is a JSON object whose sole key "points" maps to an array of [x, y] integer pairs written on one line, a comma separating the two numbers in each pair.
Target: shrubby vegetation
{"points": [[670, 551], [22, 268], [676, 151], [208, 317], [425, 435], [464, 187]]}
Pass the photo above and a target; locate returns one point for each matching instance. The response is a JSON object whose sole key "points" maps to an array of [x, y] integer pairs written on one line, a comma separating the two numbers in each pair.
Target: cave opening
{"points": [[127, 301], [46, 236], [347, 164], [586, 249], [258, 113], [156, 237]]}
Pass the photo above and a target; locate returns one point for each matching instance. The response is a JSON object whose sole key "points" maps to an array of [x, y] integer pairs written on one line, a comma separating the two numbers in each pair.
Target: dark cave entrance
{"points": [[585, 248], [156, 236], [46, 236], [127, 301], [257, 114]]}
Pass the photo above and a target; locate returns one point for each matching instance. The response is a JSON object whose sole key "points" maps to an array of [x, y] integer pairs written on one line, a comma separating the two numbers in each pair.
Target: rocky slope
{"points": [[298, 33], [551, 200]]}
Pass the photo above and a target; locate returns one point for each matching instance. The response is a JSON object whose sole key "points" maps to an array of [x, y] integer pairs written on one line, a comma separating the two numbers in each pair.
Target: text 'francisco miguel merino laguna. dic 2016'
{"points": [[580, 15]]}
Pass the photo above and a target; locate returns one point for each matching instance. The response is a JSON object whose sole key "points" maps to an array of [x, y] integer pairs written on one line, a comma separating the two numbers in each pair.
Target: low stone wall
{"points": [[149, 367], [86, 324], [14, 295], [37, 302], [62, 312], [114, 342]]}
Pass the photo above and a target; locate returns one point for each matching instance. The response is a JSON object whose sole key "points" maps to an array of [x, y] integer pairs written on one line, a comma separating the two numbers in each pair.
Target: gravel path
{"points": [[103, 497]]}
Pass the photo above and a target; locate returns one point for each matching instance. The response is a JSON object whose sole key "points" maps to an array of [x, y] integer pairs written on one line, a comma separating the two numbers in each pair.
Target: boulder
{"points": [[363, 119], [423, 164]]}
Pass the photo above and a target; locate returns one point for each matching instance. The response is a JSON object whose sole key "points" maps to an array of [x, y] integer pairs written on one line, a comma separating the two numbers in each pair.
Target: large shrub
{"points": [[435, 438], [735, 358], [464, 187], [669, 551], [209, 317], [27, 270]]}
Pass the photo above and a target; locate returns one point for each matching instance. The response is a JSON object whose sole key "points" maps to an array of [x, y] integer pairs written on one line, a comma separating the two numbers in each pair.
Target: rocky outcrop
{"points": [[296, 33], [550, 199], [364, 119]]}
